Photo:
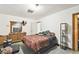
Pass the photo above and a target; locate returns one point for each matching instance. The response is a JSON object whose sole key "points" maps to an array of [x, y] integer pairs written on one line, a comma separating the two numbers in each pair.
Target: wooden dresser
{"points": [[16, 36]]}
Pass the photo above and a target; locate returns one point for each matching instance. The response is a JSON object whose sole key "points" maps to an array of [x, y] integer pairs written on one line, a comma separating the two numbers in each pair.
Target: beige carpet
{"points": [[58, 50]]}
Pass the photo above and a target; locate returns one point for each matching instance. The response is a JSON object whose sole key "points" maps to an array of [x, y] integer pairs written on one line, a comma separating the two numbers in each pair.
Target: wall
{"points": [[5, 25], [52, 22]]}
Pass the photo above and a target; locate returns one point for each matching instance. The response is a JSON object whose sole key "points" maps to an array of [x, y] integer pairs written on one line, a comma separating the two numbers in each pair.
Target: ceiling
{"points": [[21, 10]]}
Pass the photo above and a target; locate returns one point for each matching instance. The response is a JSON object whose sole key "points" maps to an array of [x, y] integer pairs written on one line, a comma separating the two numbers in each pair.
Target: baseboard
{"points": [[67, 47]]}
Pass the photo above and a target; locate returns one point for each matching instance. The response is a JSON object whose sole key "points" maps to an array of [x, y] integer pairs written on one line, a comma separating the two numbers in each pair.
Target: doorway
{"points": [[75, 27]]}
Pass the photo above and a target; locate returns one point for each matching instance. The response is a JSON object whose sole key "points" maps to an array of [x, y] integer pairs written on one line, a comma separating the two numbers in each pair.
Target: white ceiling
{"points": [[21, 10]]}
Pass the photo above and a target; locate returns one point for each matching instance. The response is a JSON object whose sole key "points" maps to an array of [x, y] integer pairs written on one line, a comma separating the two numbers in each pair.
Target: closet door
{"points": [[75, 32], [38, 27], [33, 28]]}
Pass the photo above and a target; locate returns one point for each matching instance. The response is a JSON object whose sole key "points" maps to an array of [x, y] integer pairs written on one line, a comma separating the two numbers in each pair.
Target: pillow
{"points": [[43, 33], [46, 33]]}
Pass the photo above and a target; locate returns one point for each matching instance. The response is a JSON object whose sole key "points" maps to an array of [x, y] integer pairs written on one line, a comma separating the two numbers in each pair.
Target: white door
{"points": [[38, 27], [35, 28]]}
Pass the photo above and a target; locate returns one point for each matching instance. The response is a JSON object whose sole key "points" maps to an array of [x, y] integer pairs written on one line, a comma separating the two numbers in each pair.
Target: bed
{"points": [[39, 43]]}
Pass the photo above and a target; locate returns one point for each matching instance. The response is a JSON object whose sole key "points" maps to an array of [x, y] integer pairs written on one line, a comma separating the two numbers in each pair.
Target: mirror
{"points": [[15, 26]]}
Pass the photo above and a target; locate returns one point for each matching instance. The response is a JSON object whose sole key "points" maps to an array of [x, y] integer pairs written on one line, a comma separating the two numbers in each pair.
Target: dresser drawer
{"points": [[13, 37], [2, 38], [20, 34], [16, 36]]}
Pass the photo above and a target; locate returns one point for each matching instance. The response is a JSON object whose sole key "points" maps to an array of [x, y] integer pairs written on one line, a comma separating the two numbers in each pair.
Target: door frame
{"points": [[75, 31]]}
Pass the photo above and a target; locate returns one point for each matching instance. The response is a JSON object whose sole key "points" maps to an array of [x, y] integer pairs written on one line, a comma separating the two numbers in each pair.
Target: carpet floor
{"points": [[57, 50]]}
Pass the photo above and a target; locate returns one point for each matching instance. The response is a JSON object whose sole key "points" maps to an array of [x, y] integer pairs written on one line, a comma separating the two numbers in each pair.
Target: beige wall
{"points": [[5, 25], [52, 22]]}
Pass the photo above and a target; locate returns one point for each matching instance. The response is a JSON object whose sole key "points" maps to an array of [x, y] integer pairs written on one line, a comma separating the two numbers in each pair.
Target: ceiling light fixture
{"points": [[34, 7]]}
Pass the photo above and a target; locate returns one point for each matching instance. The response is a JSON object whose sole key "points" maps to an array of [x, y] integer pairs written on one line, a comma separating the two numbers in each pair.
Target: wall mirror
{"points": [[15, 26]]}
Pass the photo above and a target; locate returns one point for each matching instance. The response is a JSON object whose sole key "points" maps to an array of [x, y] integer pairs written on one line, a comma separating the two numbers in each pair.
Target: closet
{"points": [[75, 33], [78, 33], [35, 27]]}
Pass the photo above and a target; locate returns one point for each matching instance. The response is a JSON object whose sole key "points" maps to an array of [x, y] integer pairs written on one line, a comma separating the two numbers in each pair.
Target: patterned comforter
{"points": [[35, 42]]}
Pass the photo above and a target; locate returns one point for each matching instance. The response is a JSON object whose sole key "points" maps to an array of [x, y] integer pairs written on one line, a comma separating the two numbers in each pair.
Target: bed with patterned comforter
{"points": [[37, 42]]}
